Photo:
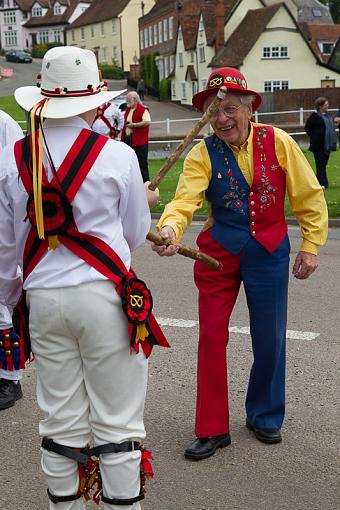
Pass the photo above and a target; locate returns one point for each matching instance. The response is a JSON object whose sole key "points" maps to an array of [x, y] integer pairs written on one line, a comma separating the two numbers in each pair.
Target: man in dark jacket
{"points": [[320, 128]]}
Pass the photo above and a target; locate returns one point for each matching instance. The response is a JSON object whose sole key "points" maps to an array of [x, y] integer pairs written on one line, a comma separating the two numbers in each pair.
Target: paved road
{"points": [[299, 474]]}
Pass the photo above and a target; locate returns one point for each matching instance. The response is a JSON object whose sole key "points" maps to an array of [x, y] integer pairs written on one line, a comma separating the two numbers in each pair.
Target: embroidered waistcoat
{"points": [[239, 211]]}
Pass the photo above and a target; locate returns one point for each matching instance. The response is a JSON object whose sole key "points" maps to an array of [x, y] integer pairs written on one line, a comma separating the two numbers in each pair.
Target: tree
{"points": [[334, 7]]}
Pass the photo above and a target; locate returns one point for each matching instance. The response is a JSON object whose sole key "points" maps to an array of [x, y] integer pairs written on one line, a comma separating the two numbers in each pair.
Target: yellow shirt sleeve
{"points": [[191, 187], [305, 194]]}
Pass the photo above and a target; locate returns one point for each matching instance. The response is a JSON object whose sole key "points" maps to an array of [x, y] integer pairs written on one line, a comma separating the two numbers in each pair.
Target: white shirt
{"points": [[110, 204], [10, 132], [115, 118]]}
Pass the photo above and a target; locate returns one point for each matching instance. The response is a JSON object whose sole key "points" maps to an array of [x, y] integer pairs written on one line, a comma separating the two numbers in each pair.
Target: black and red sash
{"points": [[136, 298], [100, 115]]}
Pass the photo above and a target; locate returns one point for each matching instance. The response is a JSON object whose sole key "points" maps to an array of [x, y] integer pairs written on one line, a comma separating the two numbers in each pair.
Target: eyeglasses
{"points": [[228, 111]]}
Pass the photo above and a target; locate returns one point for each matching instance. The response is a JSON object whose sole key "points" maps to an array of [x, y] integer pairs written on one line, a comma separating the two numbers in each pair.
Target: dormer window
{"points": [[317, 13], [57, 9], [37, 12], [326, 47]]}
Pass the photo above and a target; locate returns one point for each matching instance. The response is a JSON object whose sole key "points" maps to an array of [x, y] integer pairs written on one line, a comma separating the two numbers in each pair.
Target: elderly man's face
{"points": [[231, 122], [131, 101]]}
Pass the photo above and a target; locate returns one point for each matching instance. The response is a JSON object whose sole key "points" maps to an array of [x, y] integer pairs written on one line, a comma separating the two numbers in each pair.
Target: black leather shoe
{"points": [[204, 447], [10, 392], [269, 436]]}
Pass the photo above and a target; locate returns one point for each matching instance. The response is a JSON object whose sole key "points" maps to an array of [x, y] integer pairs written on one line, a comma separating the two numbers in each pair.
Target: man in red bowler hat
{"points": [[244, 170]]}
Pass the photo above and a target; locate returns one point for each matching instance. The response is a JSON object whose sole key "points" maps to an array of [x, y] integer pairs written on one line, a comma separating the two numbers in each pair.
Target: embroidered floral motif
{"points": [[233, 199], [267, 191], [261, 133]]}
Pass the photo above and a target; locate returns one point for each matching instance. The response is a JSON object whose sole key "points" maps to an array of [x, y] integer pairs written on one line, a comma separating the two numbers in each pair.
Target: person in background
{"points": [[109, 121], [136, 130], [322, 135], [141, 89], [337, 121], [10, 386], [243, 170]]}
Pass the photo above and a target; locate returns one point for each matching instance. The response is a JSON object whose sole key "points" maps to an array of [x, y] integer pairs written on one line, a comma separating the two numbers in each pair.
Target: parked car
{"points": [[120, 102], [18, 56]]}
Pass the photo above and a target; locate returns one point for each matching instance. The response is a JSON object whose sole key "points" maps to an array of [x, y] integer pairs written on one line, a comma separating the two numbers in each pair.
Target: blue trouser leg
{"points": [[265, 279]]}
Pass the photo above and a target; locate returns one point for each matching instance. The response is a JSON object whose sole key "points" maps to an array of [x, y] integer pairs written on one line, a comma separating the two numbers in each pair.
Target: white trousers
{"points": [[88, 383]]}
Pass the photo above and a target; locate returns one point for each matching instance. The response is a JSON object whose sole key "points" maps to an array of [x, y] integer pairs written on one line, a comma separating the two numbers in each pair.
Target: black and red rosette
{"points": [[136, 301], [56, 208]]}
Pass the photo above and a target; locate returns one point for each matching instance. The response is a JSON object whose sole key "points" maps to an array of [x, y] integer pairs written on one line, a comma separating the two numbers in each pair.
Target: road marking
{"points": [[182, 323]]}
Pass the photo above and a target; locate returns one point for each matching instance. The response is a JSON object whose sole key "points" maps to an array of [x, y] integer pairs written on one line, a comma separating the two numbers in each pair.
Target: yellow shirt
{"points": [[305, 195]]}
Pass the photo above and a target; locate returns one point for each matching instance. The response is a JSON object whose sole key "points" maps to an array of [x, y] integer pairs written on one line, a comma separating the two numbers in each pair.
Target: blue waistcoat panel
{"points": [[228, 195]]}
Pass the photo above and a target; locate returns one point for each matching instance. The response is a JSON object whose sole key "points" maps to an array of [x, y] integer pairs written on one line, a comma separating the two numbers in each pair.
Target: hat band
{"points": [[59, 92]]}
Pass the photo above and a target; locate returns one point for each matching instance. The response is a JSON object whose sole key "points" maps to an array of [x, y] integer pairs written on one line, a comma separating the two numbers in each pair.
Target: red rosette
{"points": [[136, 301], [56, 208]]}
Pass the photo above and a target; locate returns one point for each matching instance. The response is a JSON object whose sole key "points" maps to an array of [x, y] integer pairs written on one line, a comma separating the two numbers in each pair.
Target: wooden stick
{"points": [[189, 138], [187, 251]]}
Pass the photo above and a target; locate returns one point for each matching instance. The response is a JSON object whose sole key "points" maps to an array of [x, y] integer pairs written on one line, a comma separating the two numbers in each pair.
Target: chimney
{"points": [[219, 15]]}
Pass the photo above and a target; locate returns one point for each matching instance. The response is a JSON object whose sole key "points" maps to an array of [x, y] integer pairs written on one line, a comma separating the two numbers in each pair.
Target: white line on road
{"points": [[182, 323]]}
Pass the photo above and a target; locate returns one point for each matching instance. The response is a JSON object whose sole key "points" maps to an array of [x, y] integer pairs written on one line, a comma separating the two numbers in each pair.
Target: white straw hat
{"points": [[70, 81]]}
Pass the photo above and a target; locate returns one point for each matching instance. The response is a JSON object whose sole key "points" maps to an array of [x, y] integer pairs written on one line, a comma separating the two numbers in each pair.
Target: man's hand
{"points": [[152, 196], [304, 265], [167, 233]]}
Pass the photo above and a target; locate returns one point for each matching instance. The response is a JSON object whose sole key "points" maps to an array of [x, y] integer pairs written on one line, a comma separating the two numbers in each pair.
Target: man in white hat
{"points": [[10, 386], [72, 208]]}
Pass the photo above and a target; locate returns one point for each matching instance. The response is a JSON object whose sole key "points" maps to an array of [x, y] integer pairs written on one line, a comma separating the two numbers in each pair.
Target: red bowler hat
{"points": [[231, 78]]}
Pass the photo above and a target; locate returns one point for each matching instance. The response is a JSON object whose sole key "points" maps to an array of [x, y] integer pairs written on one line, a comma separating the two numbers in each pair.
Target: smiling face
{"points": [[231, 122]]}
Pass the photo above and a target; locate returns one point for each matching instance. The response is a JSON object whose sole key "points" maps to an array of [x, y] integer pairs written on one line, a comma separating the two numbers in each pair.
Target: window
{"points": [[114, 26], [202, 53], [146, 38], [150, 36], [173, 89], [57, 9], [37, 12], [43, 37], [271, 85], [82, 33], [193, 88], [141, 39], [102, 29], [11, 38], [171, 27], [160, 32], [172, 63], [275, 52], [57, 36], [104, 54], [201, 26], [115, 52], [192, 56], [203, 84], [9, 18], [166, 67], [184, 90], [92, 31], [317, 13], [155, 35], [180, 59], [165, 29], [73, 36], [327, 47]]}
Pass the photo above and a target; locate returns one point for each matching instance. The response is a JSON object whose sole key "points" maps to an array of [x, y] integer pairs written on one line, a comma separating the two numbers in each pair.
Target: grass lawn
{"points": [[168, 186], [332, 194]]}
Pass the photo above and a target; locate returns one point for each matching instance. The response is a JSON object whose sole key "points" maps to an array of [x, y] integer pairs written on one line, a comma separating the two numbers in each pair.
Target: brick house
{"points": [[158, 33]]}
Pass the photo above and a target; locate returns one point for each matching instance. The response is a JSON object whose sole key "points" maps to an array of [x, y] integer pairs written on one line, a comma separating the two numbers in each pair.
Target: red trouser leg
{"points": [[218, 291]]}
